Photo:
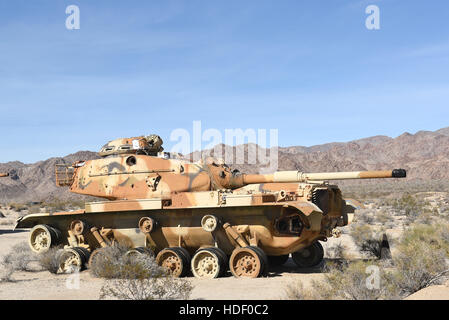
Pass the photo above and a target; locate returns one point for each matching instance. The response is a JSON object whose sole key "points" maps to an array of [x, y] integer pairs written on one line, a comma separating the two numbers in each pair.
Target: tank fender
{"points": [[311, 212], [30, 220]]}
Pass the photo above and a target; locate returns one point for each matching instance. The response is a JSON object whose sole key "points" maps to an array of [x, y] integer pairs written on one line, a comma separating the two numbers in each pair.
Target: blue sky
{"points": [[308, 68]]}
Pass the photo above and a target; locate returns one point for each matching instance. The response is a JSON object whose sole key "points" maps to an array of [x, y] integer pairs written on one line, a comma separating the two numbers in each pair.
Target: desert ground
{"points": [[45, 285], [41, 284]]}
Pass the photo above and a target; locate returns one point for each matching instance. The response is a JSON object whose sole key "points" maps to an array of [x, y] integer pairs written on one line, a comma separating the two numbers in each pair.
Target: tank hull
{"points": [[255, 221]]}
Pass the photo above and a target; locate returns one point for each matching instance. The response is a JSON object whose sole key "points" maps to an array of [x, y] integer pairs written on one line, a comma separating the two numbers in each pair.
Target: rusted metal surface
{"points": [[177, 207]]}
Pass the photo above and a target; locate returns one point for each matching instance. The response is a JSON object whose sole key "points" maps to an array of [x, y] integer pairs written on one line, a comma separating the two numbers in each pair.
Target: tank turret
{"points": [[148, 145], [130, 169]]}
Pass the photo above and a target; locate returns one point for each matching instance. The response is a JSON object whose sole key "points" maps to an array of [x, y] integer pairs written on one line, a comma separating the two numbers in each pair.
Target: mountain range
{"points": [[425, 156]]}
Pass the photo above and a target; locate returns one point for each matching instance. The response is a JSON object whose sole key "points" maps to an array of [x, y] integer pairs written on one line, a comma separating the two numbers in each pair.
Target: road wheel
{"points": [[174, 260], [138, 251], [42, 237], [278, 260], [245, 262], [209, 263], [264, 258], [73, 259], [310, 256]]}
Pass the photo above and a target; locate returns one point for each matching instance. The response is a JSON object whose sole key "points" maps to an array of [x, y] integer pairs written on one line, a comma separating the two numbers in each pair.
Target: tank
{"points": [[200, 217]]}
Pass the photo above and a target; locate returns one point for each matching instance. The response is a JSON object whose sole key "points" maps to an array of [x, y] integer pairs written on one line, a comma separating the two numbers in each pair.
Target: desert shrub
{"points": [[137, 277], [6, 273], [418, 265], [49, 260], [6, 222], [349, 281], [18, 206], [435, 234], [19, 258], [34, 209], [364, 216], [410, 206], [296, 291], [383, 217], [157, 288], [55, 205], [368, 240], [421, 258], [336, 251], [108, 261]]}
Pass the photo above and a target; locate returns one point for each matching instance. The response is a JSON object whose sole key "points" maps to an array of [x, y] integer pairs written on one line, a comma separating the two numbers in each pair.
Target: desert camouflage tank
{"points": [[200, 216]]}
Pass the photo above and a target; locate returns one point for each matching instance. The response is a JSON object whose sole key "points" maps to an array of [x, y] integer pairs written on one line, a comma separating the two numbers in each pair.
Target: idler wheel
{"points": [[246, 262], [176, 260], [278, 260], [309, 256], [42, 237], [73, 259], [209, 263], [139, 251]]}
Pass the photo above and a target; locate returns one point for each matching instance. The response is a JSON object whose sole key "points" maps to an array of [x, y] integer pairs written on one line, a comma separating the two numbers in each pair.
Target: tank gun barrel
{"points": [[4, 174], [298, 176]]}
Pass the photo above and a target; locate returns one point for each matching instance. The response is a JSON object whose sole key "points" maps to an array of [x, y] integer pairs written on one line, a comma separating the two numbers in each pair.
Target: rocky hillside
{"points": [[425, 155], [36, 182]]}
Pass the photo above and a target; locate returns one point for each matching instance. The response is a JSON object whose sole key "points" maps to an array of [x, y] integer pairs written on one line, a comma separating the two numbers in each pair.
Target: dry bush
{"points": [[6, 272], [436, 235], [296, 291], [418, 265], [364, 216], [137, 277], [18, 206], [108, 261], [421, 258], [348, 281], [159, 288], [383, 217], [336, 251], [19, 258], [368, 240], [410, 206], [49, 260], [6, 222]]}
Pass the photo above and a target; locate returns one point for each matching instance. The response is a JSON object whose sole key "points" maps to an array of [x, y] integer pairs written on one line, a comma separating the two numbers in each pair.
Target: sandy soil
{"points": [[440, 292]]}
